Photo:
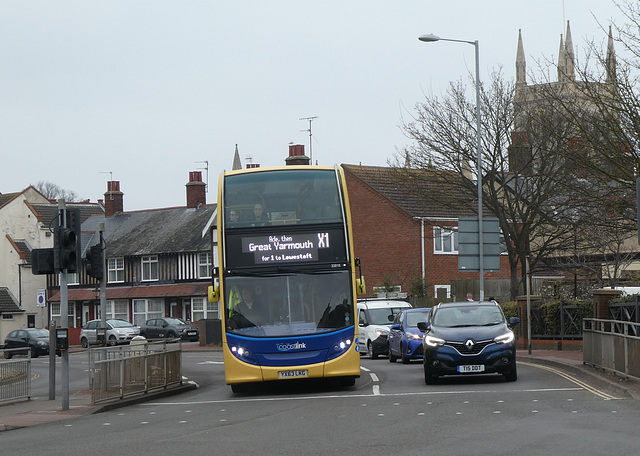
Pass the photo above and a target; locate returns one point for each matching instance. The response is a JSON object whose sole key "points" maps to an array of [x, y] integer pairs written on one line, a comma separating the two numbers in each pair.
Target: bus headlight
{"points": [[243, 354], [339, 348]]}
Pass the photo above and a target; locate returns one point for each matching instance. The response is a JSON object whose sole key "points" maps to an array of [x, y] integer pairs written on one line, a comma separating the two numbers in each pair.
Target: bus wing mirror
{"points": [[214, 293], [361, 287]]}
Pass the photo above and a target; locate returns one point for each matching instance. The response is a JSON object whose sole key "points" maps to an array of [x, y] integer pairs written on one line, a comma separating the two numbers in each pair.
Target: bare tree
{"points": [[53, 191], [525, 198]]}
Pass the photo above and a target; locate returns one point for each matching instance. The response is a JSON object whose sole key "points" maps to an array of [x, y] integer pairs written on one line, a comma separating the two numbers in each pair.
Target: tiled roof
{"points": [[8, 303], [6, 197], [156, 231], [23, 249], [49, 212], [418, 192]]}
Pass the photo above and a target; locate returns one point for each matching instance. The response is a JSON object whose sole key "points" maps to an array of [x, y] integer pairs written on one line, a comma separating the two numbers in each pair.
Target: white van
{"points": [[374, 320]]}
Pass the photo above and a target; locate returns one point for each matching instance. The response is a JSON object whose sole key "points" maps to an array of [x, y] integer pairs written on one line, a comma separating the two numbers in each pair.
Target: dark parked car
{"points": [[405, 339], [169, 328], [37, 340], [466, 338]]}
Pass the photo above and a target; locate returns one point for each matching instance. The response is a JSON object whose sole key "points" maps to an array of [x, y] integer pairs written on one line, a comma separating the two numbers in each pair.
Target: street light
{"points": [[429, 38]]}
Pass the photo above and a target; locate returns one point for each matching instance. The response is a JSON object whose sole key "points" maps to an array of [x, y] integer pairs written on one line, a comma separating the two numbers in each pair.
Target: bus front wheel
{"points": [[239, 387]]}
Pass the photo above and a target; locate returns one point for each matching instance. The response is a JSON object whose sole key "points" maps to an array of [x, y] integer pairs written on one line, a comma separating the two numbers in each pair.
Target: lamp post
{"points": [[429, 38]]}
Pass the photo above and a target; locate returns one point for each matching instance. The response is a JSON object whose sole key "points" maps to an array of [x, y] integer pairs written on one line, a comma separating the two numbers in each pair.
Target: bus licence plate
{"points": [[293, 374], [474, 368]]}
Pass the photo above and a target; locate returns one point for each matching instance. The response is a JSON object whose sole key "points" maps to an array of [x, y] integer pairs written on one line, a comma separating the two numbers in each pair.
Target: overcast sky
{"points": [[149, 90]]}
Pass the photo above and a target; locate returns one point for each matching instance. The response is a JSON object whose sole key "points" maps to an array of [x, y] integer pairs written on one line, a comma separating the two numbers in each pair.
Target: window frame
{"points": [[149, 268], [440, 236], [115, 270]]}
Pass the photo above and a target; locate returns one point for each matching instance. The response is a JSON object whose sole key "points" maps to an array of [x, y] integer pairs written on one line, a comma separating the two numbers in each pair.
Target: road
{"points": [[389, 411]]}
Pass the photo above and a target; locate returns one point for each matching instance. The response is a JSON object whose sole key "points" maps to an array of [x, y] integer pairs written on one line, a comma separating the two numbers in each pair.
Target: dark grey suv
{"points": [[467, 338]]}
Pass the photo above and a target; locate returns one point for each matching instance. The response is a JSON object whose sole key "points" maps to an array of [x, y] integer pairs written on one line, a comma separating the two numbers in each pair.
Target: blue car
{"points": [[468, 338], [405, 339]]}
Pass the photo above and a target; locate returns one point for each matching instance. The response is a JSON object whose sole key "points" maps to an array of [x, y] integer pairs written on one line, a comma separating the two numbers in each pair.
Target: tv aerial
{"points": [[309, 119]]}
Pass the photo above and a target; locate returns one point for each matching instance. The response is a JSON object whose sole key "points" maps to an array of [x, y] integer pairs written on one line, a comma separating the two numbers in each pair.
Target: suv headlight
{"points": [[432, 341], [505, 338]]}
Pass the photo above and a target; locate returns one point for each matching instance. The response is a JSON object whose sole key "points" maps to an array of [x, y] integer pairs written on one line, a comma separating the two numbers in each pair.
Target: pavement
{"points": [[34, 411]]}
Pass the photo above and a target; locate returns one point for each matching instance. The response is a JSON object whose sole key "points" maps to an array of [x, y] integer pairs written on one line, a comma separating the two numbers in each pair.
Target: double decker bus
{"points": [[286, 278]]}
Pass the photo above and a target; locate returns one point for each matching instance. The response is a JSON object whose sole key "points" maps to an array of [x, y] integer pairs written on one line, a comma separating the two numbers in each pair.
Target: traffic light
{"points": [[94, 262], [67, 242], [42, 261]]}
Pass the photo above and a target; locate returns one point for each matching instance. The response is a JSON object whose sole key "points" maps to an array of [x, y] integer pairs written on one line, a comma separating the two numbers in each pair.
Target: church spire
{"points": [[236, 160], [569, 56], [521, 64], [610, 62], [562, 70]]}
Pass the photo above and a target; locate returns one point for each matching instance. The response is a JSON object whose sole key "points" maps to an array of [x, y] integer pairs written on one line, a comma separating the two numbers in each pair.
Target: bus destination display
{"points": [[285, 248]]}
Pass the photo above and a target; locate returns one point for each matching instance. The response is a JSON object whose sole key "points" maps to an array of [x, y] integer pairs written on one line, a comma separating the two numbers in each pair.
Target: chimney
{"points": [[196, 190], [296, 155], [113, 199], [253, 165]]}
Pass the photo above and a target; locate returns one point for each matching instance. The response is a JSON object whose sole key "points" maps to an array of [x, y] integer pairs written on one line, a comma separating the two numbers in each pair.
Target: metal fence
{"points": [[15, 376], [612, 345], [123, 371]]}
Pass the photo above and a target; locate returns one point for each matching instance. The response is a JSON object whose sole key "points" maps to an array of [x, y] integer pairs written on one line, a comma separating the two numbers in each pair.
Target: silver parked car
{"points": [[118, 332]]}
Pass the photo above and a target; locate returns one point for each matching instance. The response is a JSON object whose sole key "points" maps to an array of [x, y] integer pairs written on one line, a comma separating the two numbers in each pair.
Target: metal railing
{"points": [[15, 375], [612, 345], [123, 371]]}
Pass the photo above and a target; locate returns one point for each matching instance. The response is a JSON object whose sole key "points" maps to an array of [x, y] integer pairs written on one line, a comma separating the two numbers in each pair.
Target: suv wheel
{"points": [[512, 375], [112, 340], [428, 378], [84, 342]]}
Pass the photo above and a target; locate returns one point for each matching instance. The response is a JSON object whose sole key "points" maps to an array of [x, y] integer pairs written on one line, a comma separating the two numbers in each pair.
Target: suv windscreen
{"points": [[467, 316]]}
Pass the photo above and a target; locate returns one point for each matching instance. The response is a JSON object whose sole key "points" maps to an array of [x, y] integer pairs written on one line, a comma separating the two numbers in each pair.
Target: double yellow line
{"points": [[572, 379]]}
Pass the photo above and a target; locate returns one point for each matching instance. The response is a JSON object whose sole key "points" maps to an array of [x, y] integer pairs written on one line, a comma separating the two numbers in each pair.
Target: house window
{"points": [[7, 317], [118, 309], [202, 309], [445, 240], [115, 268], [204, 265], [72, 278], [56, 315], [145, 309], [149, 268]]}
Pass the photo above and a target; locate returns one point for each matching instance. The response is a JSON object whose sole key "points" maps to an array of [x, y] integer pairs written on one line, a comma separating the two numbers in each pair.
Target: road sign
{"points": [[42, 298], [469, 247]]}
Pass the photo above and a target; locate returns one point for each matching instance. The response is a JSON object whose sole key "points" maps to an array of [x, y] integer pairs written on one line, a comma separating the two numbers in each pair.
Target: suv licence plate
{"points": [[293, 374], [470, 369]]}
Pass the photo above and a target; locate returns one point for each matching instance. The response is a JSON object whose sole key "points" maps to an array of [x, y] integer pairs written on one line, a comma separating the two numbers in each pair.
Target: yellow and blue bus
{"points": [[286, 276]]}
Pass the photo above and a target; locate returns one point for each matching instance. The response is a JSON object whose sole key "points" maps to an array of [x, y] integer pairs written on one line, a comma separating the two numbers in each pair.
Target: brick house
{"points": [[26, 219], [158, 262], [401, 236]]}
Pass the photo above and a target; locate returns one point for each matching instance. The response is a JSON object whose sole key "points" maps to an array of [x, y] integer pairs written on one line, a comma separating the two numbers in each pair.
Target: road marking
{"points": [[573, 379], [350, 396]]}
